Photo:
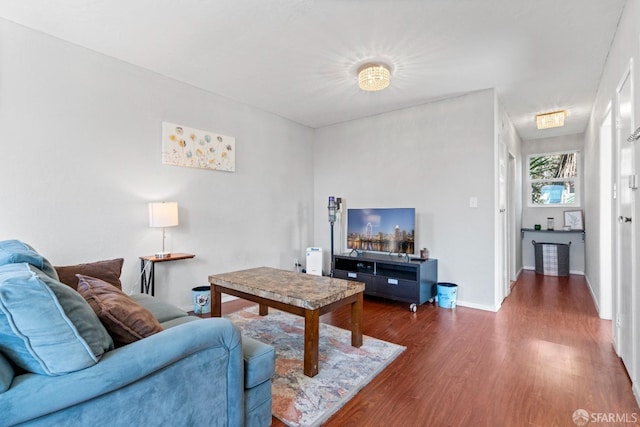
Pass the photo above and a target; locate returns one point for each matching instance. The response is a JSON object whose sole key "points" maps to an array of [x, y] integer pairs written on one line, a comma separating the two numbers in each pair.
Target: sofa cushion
{"points": [[6, 374], [15, 251], [126, 320], [107, 270], [258, 404], [179, 321], [46, 327], [160, 309], [259, 361]]}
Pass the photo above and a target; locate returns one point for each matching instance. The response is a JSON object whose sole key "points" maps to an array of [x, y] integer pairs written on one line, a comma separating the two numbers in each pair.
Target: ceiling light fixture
{"points": [[372, 77], [551, 120]]}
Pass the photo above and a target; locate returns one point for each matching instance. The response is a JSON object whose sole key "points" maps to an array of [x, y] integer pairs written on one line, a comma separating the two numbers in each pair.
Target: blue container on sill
{"points": [[201, 299], [447, 295]]}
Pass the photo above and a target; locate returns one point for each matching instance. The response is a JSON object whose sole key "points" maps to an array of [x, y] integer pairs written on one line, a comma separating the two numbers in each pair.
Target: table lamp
{"points": [[163, 214]]}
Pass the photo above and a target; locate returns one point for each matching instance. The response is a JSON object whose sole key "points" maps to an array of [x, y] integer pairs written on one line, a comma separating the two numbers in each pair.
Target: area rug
{"points": [[343, 370]]}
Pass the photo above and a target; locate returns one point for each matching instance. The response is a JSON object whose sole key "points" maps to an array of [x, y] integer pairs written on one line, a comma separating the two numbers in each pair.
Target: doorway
{"points": [[504, 222], [505, 265]]}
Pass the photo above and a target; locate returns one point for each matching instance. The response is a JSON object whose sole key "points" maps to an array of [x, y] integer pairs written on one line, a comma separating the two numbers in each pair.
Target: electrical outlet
{"points": [[473, 202]]}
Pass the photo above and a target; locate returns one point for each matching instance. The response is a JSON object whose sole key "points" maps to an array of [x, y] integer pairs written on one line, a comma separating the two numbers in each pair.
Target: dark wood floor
{"points": [[544, 355]]}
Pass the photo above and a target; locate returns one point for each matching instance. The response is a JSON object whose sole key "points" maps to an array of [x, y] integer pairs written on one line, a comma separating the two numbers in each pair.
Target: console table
{"points": [[574, 237], [391, 276], [149, 283]]}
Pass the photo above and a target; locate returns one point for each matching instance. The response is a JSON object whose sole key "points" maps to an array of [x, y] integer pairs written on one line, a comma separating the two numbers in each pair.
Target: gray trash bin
{"points": [[552, 259]]}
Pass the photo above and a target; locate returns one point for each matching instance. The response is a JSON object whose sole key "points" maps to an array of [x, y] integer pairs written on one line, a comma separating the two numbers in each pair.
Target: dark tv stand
{"points": [[391, 276]]}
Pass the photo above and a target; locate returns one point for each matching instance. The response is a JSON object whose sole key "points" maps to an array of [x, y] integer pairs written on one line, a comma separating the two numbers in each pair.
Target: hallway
{"points": [[562, 353]]}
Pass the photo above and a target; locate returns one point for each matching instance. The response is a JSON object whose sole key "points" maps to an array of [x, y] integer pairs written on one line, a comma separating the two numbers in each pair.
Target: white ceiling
{"points": [[298, 58]]}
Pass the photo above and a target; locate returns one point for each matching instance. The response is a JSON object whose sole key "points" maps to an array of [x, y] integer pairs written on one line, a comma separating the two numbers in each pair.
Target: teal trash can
{"points": [[201, 299], [447, 295]]}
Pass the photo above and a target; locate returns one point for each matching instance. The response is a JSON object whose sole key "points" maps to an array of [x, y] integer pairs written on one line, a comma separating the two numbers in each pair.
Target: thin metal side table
{"points": [[148, 283]]}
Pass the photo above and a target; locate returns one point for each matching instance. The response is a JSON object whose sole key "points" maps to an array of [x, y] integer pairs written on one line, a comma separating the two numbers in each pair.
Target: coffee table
{"points": [[297, 293]]}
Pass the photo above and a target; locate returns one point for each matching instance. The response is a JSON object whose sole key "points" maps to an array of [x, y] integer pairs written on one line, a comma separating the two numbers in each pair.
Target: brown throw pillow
{"points": [[125, 320], [108, 270]]}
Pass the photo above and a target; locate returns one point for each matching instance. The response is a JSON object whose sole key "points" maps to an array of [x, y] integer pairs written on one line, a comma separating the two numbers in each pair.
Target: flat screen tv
{"points": [[382, 230]]}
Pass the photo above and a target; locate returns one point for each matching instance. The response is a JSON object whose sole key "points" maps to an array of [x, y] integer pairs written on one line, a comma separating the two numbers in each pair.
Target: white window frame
{"points": [[576, 181]]}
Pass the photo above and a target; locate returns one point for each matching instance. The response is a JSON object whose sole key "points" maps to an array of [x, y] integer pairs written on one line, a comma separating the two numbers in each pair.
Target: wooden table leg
{"points": [[263, 310], [311, 337], [356, 321], [216, 301]]}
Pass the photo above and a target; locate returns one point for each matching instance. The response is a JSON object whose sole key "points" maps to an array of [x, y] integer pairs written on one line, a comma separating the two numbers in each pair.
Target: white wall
{"points": [[625, 47], [81, 158], [433, 157]]}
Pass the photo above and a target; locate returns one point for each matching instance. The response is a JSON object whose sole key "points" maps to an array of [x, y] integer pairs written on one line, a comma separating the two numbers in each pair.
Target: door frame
{"points": [[511, 211], [505, 225], [607, 210], [618, 323]]}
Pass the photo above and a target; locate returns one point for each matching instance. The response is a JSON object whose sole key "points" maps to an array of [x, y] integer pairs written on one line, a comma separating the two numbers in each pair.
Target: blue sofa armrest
{"points": [[31, 396]]}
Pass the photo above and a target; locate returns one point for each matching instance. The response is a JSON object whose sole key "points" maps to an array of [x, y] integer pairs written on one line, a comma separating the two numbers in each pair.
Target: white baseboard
{"points": [[477, 306], [594, 299], [636, 392], [518, 274], [528, 267]]}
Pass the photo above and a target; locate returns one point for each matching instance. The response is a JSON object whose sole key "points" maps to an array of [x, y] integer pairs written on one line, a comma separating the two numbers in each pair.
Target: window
{"points": [[553, 179]]}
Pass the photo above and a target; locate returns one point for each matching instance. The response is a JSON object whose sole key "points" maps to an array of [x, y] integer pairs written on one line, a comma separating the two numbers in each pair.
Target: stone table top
{"points": [[289, 287]]}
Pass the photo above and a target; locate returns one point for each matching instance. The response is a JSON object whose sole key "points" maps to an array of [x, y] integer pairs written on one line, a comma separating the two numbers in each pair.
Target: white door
{"points": [[625, 253]]}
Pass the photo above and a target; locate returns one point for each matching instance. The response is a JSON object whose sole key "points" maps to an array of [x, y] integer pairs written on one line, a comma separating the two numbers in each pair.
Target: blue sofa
{"points": [[194, 372]]}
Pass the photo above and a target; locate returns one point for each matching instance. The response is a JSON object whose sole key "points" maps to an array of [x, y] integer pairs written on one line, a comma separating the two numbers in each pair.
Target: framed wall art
{"points": [[574, 219], [196, 148]]}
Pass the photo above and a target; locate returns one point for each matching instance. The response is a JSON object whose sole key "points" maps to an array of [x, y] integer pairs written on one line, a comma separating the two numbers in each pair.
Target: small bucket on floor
{"points": [[447, 295], [201, 299]]}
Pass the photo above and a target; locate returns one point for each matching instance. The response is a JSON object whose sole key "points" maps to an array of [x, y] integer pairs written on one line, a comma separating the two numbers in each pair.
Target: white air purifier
{"points": [[314, 261]]}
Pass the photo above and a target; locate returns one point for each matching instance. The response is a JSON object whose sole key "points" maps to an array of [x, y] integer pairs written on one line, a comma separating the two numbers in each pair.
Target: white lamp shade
{"points": [[163, 214]]}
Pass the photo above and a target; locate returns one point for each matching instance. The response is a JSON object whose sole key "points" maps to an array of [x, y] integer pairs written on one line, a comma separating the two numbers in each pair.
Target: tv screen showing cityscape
{"points": [[382, 230]]}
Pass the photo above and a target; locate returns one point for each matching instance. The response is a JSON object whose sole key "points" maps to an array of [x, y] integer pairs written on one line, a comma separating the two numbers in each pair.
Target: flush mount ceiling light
{"points": [[551, 120], [372, 77]]}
